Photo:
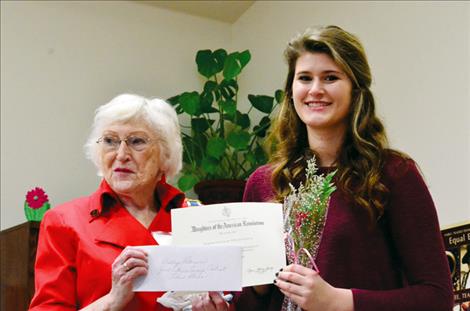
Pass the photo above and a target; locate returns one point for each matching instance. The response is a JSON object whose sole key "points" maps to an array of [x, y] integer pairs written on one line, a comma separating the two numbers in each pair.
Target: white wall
{"points": [[419, 53], [60, 61]]}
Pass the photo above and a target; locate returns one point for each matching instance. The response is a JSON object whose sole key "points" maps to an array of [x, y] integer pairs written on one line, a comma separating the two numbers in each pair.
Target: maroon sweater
{"points": [[399, 265]]}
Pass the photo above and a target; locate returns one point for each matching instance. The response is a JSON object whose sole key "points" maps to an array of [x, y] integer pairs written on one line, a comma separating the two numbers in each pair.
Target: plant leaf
{"points": [[232, 66], [219, 56], [239, 139], [206, 100], [194, 147], [260, 156], [327, 187], [279, 95], [200, 125], [263, 127], [206, 63], [243, 120], [263, 103], [187, 182], [265, 121], [173, 100], [209, 165], [216, 147], [190, 103], [228, 88], [244, 58], [234, 63], [229, 106], [210, 86], [250, 157]]}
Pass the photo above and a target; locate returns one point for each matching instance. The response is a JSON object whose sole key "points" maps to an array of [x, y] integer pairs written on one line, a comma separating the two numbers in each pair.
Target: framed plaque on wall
{"points": [[457, 243]]}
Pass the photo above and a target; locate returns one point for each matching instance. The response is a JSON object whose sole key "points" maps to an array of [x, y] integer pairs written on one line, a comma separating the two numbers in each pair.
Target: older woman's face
{"points": [[126, 170]]}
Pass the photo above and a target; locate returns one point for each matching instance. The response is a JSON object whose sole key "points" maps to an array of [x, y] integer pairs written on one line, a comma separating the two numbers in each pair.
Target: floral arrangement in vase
{"points": [[36, 204]]}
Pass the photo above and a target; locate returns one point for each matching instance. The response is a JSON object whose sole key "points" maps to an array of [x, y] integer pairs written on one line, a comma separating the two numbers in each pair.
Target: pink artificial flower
{"points": [[36, 198], [299, 220]]}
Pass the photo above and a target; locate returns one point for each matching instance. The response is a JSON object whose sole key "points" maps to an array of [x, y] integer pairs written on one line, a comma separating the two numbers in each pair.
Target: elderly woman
{"points": [[85, 258]]}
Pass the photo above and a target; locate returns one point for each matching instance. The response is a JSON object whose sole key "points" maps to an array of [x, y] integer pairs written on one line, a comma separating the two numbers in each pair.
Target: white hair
{"points": [[158, 114]]}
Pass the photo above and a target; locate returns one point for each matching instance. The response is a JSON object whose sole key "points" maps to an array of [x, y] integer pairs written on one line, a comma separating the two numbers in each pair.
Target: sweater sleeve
{"points": [[258, 187], [416, 236], [250, 193], [55, 273]]}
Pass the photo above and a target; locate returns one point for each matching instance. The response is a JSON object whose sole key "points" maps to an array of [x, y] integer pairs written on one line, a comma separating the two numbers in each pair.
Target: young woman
{"points": [[381, 247]]}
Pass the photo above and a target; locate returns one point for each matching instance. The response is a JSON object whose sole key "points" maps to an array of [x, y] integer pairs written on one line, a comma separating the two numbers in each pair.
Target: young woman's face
{"points": [[321, 92]]}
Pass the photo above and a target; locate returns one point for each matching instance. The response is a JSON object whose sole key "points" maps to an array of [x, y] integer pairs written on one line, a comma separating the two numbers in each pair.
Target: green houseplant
{"points": [[219, 140]]}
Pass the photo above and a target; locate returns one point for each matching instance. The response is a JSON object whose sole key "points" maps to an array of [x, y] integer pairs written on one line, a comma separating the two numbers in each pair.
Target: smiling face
{"points": [[129, 172], [321, 92]]}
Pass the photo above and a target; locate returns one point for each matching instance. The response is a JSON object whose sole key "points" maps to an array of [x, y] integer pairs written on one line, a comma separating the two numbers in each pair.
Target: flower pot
{"points": [[220, 191]]}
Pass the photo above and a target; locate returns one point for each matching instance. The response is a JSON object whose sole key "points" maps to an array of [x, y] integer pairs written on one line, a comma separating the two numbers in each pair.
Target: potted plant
{"points": [[220, 142]]}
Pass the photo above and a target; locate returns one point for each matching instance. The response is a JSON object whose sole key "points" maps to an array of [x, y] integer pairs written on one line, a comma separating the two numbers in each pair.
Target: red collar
{"points": [[104, 197]]}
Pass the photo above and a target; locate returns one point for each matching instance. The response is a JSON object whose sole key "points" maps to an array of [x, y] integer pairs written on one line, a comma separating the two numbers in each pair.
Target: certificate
{"points": [[191, 268], [256, 227]]}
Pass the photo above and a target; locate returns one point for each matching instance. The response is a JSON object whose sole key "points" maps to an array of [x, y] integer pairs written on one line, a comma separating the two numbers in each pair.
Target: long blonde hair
{"points": [[361, 158]]}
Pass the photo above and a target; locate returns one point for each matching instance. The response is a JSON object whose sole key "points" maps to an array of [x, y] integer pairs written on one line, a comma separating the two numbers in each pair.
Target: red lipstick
{"points": [[123, 170]]}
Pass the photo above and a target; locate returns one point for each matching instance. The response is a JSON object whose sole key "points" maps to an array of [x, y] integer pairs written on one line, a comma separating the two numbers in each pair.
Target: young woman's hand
{"points": [[310, 292], [213, 301]]}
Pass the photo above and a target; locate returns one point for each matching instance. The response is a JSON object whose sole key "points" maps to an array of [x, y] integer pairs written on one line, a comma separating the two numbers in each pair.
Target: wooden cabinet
{"points": [[17, 255]]}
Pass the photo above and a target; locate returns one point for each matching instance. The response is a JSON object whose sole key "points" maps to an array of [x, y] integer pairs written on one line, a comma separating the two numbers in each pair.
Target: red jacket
{"points": [[79, 240]]}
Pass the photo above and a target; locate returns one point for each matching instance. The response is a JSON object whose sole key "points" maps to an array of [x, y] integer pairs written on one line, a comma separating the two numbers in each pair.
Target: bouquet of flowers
{"points": [[305, 211]]}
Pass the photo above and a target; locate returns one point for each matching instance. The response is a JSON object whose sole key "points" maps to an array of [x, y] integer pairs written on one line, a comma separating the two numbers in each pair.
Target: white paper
{"points": [[162, 237], [191, 268], [256, 227]]}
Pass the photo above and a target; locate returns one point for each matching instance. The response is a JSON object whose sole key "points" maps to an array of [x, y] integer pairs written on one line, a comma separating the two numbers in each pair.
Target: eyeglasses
{"points": [[112, 143]]}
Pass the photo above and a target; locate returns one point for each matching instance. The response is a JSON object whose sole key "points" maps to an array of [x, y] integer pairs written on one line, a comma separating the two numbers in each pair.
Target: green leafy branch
{"points": [[222, 142]]}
